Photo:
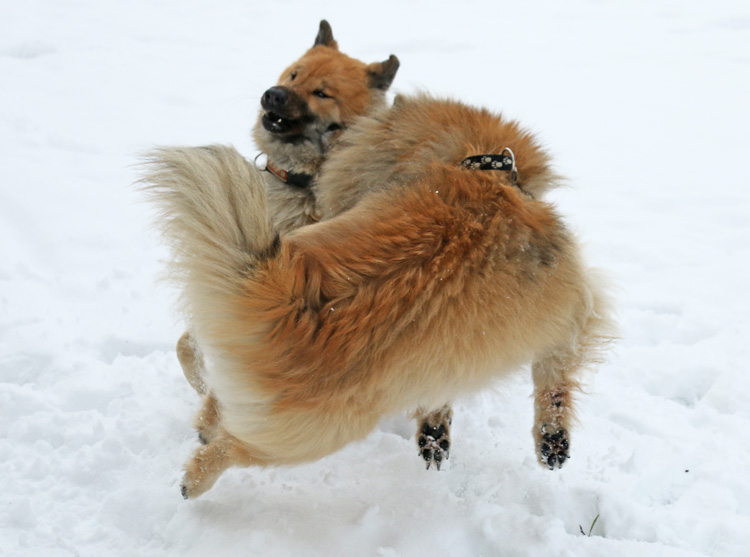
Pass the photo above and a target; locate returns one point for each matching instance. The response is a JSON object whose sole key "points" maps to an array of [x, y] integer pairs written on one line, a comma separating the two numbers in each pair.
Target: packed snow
{"points": [[644, 107]]}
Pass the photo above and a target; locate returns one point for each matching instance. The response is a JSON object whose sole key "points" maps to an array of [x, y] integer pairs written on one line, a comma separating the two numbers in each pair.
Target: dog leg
{"points": [[209, 461], [191, 360], [193, 366], [207, 419], [433, 434], [554, 407], [556, 377]]}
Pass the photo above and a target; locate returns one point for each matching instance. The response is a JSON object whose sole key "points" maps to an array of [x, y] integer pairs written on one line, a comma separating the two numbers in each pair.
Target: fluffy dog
{"points": [[303, 116], [436, 269]]}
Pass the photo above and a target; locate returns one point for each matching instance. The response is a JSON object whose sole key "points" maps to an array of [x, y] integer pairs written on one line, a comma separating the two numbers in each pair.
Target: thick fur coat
{"points": [[429, 280]]}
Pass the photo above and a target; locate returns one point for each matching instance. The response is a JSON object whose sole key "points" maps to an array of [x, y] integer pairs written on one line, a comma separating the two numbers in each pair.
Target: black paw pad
{"points": [[434, 445], [183, 490], [554, 448]]}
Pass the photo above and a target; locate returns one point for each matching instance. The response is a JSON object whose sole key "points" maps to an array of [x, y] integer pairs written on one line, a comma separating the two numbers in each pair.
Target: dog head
{"points": [[316, 98]]}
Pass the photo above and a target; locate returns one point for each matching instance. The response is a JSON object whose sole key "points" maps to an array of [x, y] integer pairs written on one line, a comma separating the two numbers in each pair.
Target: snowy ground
{"points": [[645, 107]]}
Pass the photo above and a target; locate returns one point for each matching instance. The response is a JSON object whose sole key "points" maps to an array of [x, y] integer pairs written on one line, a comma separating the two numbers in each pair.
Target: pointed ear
{"points": [[381, 74], [325, 36]]}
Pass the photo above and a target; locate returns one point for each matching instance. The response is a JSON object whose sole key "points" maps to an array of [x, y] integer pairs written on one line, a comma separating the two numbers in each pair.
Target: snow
{"points": [[643, 105]]}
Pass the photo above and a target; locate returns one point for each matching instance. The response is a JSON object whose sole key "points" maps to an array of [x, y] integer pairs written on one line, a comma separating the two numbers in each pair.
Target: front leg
{"points": [[554, 409], [433, 434]]}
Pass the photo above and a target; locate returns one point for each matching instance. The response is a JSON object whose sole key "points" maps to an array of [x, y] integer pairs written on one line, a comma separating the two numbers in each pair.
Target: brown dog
{"points": [[303, 117], [439, 270]]}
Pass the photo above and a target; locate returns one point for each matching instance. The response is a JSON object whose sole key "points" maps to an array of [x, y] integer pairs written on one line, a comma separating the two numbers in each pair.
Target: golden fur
{"points": [[352, 88], [431, 281], [313, 337]]}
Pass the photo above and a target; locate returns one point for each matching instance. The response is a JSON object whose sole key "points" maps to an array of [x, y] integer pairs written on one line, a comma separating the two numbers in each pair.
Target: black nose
{"points": [[275, 98]]}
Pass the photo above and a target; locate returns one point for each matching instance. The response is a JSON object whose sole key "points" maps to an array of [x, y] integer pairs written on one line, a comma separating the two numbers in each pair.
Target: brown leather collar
{"points": [[297, 179]]}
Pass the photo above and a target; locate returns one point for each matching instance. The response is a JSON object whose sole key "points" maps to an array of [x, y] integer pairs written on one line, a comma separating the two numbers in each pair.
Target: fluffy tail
{"points": [[213, 214]]}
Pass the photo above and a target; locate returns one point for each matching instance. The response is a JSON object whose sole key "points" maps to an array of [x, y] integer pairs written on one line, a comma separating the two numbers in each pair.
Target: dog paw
{"points": [[193, 485], [434, 444], [553, 448], [187, 488], [202, 470]]}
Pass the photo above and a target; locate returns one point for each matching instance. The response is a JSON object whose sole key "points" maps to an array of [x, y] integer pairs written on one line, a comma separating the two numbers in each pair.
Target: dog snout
{"points": [[275, 98]]}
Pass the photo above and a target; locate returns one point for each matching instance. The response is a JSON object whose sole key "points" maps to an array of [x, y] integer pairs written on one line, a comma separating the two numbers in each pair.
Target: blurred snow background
{"points": [[644, 107]]}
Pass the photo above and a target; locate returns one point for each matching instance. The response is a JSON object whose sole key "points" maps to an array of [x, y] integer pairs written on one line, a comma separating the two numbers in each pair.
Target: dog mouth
{"points": [[277, 124]]}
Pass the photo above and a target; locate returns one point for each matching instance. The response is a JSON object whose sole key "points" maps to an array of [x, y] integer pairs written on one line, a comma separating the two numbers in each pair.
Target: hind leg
{"points": [[210, 461], [193, 366], [433, 434], [191, 360], [207, 419]]}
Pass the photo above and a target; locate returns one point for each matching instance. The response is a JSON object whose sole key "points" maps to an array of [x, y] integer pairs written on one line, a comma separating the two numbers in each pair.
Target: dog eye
{"points": [[321, 94], [294, 75], [334, 127]]}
